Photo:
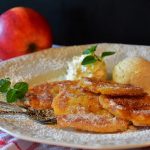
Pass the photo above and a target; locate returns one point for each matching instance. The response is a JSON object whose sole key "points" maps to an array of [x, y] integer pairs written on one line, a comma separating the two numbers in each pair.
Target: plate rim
{"points": [[65, 144]]}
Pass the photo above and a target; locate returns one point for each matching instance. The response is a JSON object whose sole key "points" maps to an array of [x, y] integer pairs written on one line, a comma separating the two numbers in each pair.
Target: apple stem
{"points": [[31, 48]]}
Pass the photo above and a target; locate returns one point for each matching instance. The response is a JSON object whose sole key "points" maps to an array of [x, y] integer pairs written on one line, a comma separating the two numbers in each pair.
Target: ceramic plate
{"points": [[51, 65]]}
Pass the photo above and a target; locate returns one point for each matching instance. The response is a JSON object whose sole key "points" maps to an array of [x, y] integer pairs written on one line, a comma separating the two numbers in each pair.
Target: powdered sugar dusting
{"points": [[112, 103], [51, 65], [19, 125]]}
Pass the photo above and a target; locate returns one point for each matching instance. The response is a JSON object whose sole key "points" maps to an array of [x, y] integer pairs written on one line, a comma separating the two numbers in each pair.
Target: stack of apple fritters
{"points": [[92, 105]]}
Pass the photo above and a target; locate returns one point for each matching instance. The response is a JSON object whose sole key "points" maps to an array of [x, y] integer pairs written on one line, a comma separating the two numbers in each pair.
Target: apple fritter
{"points": [[92, 122], [109, 88], [80, 109], [41, 96], [134, 109], [77, 100]]}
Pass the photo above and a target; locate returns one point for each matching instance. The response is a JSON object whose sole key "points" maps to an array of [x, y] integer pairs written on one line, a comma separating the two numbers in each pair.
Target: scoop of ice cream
{"points": [[133, 70]]}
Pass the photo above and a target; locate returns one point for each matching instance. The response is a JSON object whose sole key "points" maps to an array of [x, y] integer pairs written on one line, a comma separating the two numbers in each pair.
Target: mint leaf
{"points": [[92, 57], [11, 96], [90, 50], [104, 54], [21, 87], [88, 60], [4, 85], [17, 92], [14, 93], [20, 94]]}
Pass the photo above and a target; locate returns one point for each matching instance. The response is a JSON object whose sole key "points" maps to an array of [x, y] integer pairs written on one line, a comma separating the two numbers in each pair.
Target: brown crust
{"points": [[41, 96], [93, 123], [77, 100], [80, 109], [109, 88], [135, 109]]}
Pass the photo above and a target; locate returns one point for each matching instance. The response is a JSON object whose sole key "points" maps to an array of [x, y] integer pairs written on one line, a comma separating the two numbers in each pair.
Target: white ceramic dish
{"points": [[50, 65]]}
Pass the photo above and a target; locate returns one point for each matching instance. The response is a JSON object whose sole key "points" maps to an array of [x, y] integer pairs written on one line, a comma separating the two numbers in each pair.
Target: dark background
{"points": [[93, 21]]}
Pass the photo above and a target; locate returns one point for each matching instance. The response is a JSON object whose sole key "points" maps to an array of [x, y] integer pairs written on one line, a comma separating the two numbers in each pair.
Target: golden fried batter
{"points": [[92, 122], [41, 96], [135, 109], [81, 109], [76, 100], [109, 88]]}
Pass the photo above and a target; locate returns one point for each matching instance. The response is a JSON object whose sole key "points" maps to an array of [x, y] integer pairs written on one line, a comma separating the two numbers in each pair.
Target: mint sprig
{"points": [[92, 57], [90, 50], [88, 60], [13, 93]]}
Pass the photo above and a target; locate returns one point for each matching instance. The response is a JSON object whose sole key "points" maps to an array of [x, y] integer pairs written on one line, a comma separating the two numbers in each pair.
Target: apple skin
{"points": [[23, 30]]}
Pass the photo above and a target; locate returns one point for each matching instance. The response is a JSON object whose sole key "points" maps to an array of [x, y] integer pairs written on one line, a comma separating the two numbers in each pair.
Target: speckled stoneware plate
{"points": [[51, 65]]}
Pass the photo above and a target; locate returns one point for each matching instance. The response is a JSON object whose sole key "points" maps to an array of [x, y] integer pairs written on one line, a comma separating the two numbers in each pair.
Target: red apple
{"points": [[23, 30]]}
